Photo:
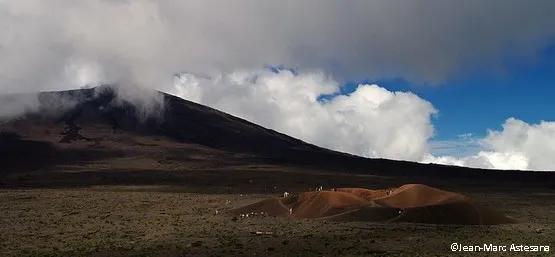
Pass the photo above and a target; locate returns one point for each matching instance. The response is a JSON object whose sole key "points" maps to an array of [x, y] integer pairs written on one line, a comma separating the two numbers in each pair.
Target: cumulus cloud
{"points": [[144, 41], [371, 121], [519, 145], [64, 44]]}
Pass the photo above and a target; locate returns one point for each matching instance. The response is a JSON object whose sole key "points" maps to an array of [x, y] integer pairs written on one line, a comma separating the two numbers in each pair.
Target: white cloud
{"points": [[485, 160], [62, 44], [144, 41], [371, 121], [518, 146]]}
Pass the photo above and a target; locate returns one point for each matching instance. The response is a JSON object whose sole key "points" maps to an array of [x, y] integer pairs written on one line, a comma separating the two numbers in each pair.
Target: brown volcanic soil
{"points": [[95, 180], [409, 203], [414, 195]]}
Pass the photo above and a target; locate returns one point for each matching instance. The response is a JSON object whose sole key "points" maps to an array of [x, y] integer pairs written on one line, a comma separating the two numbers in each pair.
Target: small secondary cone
{"points": [[414, 203]]}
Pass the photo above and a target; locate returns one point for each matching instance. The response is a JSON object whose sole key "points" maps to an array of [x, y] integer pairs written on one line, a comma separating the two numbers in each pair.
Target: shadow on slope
{"points": [[18, 154]]}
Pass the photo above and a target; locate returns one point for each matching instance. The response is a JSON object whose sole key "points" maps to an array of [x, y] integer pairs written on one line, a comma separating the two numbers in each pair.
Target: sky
{"points": [[463, 83], [485, 100]]}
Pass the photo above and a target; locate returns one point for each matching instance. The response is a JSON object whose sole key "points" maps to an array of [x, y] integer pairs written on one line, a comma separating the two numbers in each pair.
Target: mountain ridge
{"points": [[186, 122]]}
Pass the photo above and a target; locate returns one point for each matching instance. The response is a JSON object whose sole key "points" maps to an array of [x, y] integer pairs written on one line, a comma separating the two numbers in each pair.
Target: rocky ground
{"points": [[172, 221]]}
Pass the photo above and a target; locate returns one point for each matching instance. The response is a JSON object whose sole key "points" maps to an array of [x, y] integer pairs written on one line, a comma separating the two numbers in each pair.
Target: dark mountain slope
{"points": [[97, 126]]}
